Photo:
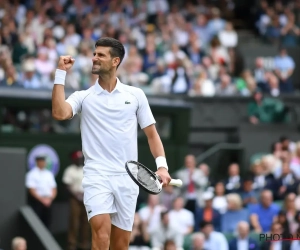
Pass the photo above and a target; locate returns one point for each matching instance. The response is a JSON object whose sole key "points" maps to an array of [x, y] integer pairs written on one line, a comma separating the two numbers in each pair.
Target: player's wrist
{"points": [[161, 162], [60, 76]]}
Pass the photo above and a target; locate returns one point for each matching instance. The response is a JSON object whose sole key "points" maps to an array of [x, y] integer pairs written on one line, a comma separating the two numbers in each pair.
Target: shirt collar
{"points": [[99, 89]]}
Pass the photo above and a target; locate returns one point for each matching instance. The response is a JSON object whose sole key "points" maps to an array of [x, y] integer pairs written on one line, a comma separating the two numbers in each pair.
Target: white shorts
{"points": [[115, 195]]}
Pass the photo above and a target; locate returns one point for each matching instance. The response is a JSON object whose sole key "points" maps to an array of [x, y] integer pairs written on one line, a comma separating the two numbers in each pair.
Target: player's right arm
{"points": [[61, 110]]}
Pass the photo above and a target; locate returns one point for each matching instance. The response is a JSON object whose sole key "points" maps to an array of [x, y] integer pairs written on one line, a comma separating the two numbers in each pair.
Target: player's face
{"points": [[102, 61]]}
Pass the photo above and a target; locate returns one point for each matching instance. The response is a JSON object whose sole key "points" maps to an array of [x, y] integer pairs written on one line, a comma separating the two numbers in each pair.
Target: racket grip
{"points": [[176, 182]]}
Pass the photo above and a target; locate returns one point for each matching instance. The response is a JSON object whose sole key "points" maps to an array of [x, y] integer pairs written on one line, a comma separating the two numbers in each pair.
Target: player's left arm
{"points": [[147, 122], [158, 152]]}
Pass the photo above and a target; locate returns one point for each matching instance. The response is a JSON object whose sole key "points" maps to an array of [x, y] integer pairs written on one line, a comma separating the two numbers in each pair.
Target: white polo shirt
{"points": [[42, 180], [109, 126]]}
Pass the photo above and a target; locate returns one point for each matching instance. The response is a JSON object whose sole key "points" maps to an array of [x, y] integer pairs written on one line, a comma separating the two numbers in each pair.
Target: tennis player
{"points": [[110, 112]]}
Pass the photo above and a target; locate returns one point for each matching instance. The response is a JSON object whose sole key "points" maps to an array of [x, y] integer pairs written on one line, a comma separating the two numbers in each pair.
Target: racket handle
{"points": [[176, 182]]}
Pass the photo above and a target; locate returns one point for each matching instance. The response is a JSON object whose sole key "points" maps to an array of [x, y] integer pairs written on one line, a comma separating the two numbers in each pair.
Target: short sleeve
{"points": [[253, 209], [75, 101], [52, 181], [291, 63], [143, 214], [190, 219], [144, 114], [67, 177], [29, 182]]}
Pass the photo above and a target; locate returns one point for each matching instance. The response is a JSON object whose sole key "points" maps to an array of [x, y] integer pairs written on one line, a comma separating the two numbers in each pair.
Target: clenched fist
{"points": [[65, 62]]}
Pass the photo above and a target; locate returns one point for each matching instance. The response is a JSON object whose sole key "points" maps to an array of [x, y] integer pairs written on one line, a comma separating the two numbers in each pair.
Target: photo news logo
{"points": [[278, 237]]}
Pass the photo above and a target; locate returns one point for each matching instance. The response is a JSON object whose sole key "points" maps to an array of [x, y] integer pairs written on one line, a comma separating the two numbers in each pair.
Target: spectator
{"points": [[193, 181], [285, 156], [219, 201], [291, 213], [243, 239], [213, 240], [167, 196], [195, 53], [228, 37], [216, 24], [276, 228], [170, 245], [198, 241], [233, 183], [282, 219], [218, 53], [29, 77], [225, 87], [72, 38], [287, 182], [260, 75], [78, 234], [273, 85], [207, 213], [173, 55], [290, 32], [248, 195], [44, 67], [180, 218], [245, 82], [11, 77], [263, 214], [284, 68], [150, 214], [234, 213], [139, 236], [295, 161], [287, 144], [273, 31], [263, 176], [19, 243], [203, 86], [19, 50], [265, 19], [265, 110], [202, 29], [180, 80], [42, 189], [164, 231], [206, 171], [151, 56], [211, 68]]}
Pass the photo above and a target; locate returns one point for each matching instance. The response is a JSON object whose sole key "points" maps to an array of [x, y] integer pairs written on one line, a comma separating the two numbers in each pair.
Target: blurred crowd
{"points": [[206, 213], [279, 23], [214, 214], [178, 47]]}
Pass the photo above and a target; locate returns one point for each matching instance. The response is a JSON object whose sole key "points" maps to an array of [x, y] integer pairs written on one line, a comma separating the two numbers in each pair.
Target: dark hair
{"points": [[283, 138], [203, 224], [273, 146], [163, 214], [168, 243], [248, 178], [116, 48]]}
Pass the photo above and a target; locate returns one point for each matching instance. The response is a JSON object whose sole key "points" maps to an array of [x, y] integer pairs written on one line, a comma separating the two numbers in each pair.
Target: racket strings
{"points": [[147, 180]]}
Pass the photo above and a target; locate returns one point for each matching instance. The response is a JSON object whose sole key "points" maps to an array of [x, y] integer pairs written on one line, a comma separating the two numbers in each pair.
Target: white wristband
{"points": [[60, 77], [161, 162]]}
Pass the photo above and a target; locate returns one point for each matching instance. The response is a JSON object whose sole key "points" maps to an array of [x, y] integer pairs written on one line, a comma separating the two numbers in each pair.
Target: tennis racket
{"points": [[147, 179]]}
